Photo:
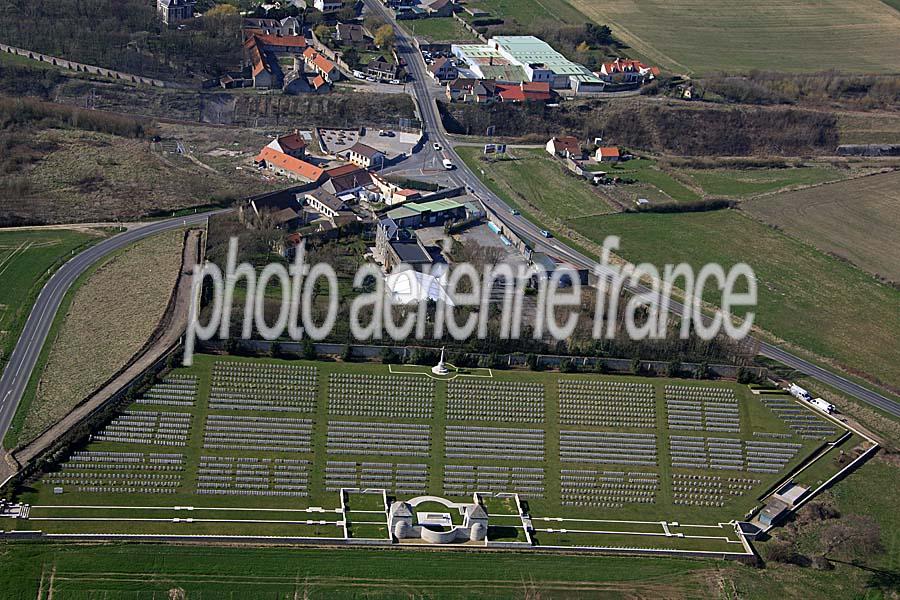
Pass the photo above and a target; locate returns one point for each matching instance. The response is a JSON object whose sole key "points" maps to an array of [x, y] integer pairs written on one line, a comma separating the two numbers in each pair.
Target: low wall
{"points": [[83, 68]]}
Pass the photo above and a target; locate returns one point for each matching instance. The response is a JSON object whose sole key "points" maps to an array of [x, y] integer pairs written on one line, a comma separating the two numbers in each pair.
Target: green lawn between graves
{"points": [[754, 417], [27, 258]]}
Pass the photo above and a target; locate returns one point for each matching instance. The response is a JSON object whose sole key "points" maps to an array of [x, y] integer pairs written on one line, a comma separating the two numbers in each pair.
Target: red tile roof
{"points": [[342, 170], [567, 143], [321, 64], [608, 151], [318, 81], [289, 163], [530, 92], [283, 41], [292, 142]]}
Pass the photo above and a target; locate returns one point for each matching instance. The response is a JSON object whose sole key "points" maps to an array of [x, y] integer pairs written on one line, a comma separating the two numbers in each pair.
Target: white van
{"points": [[448, 165]]}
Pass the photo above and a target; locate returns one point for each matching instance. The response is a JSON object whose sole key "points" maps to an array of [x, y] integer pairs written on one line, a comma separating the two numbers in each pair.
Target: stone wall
{"points": [[62, 63]]}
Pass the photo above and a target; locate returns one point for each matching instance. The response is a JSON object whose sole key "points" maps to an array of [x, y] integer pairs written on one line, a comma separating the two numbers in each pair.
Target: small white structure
{"points": [[799, 392], [440, 368], [473, 529], [822, 405], [412, 287]]}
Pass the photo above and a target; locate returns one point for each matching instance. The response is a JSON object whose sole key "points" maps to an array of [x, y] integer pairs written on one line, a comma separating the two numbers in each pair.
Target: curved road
{"points": [[425, 91], [28, 348]]}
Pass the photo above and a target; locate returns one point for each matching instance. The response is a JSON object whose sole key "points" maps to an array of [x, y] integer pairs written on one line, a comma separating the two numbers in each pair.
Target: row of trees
{"points": [[710, 131], [126, 35]]}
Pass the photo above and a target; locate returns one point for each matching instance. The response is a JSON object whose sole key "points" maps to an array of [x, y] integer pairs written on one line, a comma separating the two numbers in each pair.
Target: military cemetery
{"points": [[350, 452]]}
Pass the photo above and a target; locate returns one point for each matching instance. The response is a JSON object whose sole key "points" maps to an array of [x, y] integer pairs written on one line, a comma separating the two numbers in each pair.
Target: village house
{"points": [[443, 69], [352, 34], [291, 144], [395, 245], [281, 45], [383, 69], [627, 70], [364, 156], [288, 26], [321, 65], [294, 168], [391, 193], [477, 91], [346, 179], [437, 8], [566, 146], [264, 68], [172, 11], [325, 203], [524, 92], [328, 6], [607, 154]]}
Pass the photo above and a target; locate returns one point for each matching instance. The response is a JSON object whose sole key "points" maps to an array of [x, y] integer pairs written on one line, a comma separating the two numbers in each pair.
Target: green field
{"points": [[439, 29], [654, 183], [805, 297], [856, 219], [720, 35], [732, 183], [87, 505], [26, 258], [143, 572], [536, 183], [530, 12]]}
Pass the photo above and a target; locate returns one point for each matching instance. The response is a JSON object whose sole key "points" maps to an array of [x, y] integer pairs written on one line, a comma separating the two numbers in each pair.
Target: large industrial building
{"points": [[517, 58]]}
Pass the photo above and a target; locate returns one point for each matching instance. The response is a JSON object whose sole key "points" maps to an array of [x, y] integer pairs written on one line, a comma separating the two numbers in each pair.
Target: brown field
{"points": [[876, 127], [83, 176], [857, 219], [112, 315], [704, 36]]}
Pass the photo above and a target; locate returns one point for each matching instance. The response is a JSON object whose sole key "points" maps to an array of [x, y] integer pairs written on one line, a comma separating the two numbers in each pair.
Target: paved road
{"points": [[425, 91], [24, 356]]}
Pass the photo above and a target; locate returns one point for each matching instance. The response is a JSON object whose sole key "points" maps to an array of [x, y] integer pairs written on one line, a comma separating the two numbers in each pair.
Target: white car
{"points": [[448, 165], [436, 146]]}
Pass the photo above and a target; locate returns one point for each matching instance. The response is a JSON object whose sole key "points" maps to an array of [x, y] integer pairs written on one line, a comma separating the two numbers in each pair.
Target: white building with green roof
{"points": [[506, 57]]}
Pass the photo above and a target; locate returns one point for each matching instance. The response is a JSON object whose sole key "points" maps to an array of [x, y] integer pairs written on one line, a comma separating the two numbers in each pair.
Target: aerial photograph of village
{"points": [[449, 299]]}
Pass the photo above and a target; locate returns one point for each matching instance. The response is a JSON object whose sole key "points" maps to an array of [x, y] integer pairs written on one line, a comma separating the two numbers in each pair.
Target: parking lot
{"points": [[393, 143]]}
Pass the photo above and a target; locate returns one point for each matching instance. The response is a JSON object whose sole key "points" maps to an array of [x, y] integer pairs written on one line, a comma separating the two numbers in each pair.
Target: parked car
{"points": [[395, 81], [513, 212]]}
